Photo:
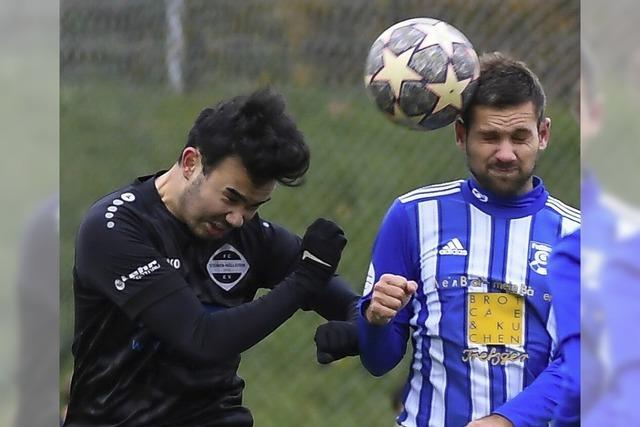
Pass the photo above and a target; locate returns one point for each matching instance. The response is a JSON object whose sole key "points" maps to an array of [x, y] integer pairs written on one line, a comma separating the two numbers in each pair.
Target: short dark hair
{"points": [[256, 129], [505, 82]]}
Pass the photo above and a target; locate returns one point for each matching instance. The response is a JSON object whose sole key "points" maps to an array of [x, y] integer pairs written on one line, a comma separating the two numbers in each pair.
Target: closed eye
{"points": [[235, 197], [521, 136], [232, 200], [488, 136]]}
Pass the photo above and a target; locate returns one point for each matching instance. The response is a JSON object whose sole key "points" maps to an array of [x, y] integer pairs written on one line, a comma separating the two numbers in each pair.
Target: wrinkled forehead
{"points": [[504, 119]]}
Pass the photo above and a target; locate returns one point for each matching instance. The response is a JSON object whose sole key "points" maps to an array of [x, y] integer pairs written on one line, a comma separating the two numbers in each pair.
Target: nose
{"points": [[235, 218], [506, 153]]}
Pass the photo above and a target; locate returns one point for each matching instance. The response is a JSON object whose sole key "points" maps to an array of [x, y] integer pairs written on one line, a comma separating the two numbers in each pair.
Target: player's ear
{"points": [[544, 131], [190, 162], [461, 133]]}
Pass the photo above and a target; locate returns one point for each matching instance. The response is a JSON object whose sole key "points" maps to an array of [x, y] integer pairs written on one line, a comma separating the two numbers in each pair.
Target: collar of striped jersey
{"points": [[506, 207]]}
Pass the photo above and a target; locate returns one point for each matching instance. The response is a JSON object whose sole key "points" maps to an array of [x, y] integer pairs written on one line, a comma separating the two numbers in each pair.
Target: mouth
{"points": [[214, 229], [504, 170]]}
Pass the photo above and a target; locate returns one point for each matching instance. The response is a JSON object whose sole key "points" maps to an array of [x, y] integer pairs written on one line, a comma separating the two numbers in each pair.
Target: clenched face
{"points": [[502, 147], [212, 205]]}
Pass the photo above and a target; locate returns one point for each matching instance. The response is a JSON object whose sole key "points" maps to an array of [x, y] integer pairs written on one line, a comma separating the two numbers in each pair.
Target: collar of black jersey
{"points": [[150, 194], [506, 207]]}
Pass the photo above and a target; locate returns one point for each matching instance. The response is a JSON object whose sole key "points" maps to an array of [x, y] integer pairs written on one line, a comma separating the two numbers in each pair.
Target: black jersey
{"points": [[132, 254]]}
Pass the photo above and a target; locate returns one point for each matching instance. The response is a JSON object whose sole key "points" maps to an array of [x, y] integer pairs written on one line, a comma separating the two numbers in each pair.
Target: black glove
{"points": [[336, 339], [322, 246]]}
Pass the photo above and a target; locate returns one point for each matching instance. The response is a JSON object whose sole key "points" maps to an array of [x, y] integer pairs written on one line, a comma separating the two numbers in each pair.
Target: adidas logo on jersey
{"points": [[453, 247]]}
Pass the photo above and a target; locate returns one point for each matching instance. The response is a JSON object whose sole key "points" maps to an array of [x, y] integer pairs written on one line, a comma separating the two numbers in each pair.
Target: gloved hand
{"points": [[321, 249], [336, 339]]}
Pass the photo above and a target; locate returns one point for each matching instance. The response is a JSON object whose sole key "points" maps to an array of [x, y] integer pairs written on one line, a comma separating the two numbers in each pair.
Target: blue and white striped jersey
{"points": [[481, 322]]}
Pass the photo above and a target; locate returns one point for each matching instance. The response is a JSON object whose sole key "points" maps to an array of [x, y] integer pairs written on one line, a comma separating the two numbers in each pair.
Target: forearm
{"points": [[181, 321], [336, 301], [535, 405], [381, 347], [571, 363]]}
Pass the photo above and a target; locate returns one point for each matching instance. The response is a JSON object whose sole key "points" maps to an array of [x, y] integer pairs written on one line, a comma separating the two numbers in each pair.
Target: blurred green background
{"points": [[123, 116], [614, 152], [29, 111]]}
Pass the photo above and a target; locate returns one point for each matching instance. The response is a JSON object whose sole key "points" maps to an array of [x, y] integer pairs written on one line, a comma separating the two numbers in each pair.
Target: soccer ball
{"points": [[422, 73]]}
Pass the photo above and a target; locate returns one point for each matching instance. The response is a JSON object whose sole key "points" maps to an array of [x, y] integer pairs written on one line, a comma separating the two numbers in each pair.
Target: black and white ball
{"points": [[421, 73]]}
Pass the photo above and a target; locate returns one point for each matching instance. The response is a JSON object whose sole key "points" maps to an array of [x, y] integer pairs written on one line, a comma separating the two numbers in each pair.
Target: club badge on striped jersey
{"points": [[495, 319], [227, 266], [538, 257]]}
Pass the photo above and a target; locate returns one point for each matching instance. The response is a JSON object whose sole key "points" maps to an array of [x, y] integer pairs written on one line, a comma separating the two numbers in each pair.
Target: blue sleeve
{"points": [[382, 347], [535, 405], [620, 296], [564, 284], [554, 393], [618, 404]]}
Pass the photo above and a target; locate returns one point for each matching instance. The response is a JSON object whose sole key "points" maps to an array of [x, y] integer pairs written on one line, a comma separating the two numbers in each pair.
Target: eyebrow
{"points": [[495, 131], [522, 130], [243, 198]]}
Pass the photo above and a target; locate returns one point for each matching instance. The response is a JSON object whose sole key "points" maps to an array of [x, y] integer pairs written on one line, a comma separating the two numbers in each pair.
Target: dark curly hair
{"points": [[505, 82], [256, 129]]}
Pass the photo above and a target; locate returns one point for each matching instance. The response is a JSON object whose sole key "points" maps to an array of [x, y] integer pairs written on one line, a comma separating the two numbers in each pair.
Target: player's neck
{"points": [[168, 185], [525, 189]]}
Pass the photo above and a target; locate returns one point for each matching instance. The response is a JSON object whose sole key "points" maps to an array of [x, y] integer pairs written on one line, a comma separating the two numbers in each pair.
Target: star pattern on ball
{"points": [[449, 92], [399, 115], [441, 35], [396, 70], [386, 35], [476, 68]]}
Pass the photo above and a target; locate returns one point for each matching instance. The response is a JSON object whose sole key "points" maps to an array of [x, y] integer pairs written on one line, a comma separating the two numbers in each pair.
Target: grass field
{"points": [[112, 132]]}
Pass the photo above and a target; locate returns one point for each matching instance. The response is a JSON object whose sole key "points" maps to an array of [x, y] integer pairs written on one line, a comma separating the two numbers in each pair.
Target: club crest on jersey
{"points": [[538, 257], [480, 196], [227, 266]]}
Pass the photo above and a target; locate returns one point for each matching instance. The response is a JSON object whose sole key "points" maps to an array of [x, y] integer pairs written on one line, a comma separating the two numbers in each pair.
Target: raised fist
{"points": [[390, 295], [322, 246]]}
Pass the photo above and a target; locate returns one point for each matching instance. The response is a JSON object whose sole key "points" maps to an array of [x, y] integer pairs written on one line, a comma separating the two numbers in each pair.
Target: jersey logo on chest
{"points": [[538, 257], [227, 267], [453, 247]]}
